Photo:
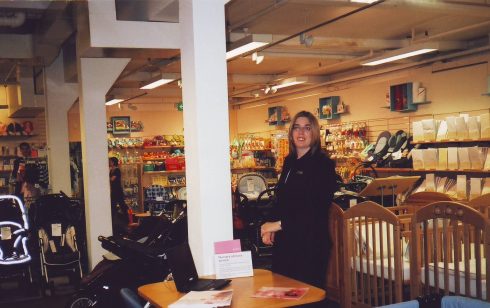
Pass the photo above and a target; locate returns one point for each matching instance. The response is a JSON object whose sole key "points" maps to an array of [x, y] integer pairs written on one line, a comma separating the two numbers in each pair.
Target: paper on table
{"points": [[417, 158], [461, 187], [429, 126], [204, 299], [475, 187], [442, 162], [485, 125], [461, 128], [451, 128], [430, 182], [418, 131], [474, 128], [486, 186], [430, 159], [442, 131], [452, 158], [464, 159], [476, 157]]}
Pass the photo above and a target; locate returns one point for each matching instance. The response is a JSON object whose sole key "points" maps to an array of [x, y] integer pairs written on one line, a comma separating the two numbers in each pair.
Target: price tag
{"points": [[6, 233], [56, 229], [250, 185]]}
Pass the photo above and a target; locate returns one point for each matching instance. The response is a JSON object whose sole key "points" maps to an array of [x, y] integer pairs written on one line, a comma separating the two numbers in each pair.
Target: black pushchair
{"points": [[132, 263], [15, 260], [55, 219], [255, 202]]}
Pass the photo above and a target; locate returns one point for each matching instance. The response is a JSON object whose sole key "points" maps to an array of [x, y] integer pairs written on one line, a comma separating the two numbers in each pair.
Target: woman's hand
{"points": [[270, 227], [268, 238]]}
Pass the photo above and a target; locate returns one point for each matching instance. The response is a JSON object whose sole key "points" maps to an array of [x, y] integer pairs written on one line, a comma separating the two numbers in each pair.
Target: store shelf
{"points": [[257, 150], [410, 170], [175, 185], [165, 172], [7, 138], [154, 159], [5, 171], [253, 169], [8, 156], [162, 147], [451, 141], [385, 107]]}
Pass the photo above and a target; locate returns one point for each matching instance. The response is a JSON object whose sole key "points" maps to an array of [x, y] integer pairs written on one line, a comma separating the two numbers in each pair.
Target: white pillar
{"points": [[206, 128], [95, 77], [60, 97]]}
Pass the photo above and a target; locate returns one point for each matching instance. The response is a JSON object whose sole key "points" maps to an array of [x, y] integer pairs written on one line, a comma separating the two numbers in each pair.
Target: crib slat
{"points": [[382, 260], [361, 267], [478, 262], [445, 247], [457, 254], [390, 268], [466, 259], [353, 259], [368, 266], [426, 256], [435, 227]]}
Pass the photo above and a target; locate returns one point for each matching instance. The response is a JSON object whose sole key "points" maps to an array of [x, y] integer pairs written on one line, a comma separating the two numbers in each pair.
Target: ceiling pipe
{"points": [[15, 20], [362, 74], [244, 22]]}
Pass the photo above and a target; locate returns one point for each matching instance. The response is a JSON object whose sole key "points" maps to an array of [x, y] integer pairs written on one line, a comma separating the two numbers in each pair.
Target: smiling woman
{"points": [[304, 193]]}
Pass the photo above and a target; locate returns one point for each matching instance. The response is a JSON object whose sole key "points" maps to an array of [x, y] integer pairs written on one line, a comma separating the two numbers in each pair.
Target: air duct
{"points": [[13, 20]]}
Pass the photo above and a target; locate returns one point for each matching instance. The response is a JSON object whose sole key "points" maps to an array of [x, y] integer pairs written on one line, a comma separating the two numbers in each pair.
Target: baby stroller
{"points": [[15, 259], [132, 262], [55, 218], [255, 202]]}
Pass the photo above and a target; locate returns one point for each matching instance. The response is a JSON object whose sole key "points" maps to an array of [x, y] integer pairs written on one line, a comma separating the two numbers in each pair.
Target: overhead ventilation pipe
{"points": [[14, 20]]}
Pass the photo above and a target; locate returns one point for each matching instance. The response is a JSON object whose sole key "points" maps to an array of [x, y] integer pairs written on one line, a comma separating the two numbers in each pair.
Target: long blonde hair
{"points": [[315, 132]]}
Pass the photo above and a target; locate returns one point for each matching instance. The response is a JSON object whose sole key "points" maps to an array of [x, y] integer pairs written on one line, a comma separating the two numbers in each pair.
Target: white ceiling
{"points": [[343, 34]]}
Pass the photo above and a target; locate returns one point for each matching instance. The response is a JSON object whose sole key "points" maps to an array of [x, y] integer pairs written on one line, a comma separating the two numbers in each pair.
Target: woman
{"points": [[118, 206], [298, 228]]}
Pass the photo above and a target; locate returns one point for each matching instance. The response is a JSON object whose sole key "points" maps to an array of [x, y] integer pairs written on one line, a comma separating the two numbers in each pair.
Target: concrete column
{"points": [[60, 97], [96, 76], [206, 128]]}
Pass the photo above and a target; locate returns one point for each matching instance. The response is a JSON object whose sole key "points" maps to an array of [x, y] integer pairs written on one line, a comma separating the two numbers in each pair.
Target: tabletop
{"points": [[162, 294]]}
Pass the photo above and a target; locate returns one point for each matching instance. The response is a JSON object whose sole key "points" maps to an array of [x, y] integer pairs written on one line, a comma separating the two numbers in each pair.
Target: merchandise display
{"points": [[147, 161]]}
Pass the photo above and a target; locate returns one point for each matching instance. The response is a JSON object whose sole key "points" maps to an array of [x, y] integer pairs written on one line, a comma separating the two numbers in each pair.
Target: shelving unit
{"points": [[410, 170], [165, 172], [451, 141]]}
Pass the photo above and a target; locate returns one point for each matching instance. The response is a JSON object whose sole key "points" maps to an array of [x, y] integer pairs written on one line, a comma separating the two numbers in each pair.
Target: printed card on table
{"points": [[230, 261], [281, 293]]}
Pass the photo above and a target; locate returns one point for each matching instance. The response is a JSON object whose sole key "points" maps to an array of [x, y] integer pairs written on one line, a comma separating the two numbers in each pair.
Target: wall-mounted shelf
{"points": [[19, 137], [451, 141], [328, 108], [486, 94], [421, 103]]}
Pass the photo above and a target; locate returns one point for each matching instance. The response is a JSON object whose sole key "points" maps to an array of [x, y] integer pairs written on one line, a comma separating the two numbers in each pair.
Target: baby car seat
{"points": [[381, 147]]}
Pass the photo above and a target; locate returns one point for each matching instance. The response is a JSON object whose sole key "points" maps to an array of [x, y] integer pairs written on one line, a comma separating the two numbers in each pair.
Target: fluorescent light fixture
{"points": [[155, 82], [113, 101], [413, 50], [364, 1], [248, 43], [290, 82]]}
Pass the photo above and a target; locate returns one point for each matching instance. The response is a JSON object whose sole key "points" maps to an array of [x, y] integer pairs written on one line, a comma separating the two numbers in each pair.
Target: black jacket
{"points": [[304, 194]]}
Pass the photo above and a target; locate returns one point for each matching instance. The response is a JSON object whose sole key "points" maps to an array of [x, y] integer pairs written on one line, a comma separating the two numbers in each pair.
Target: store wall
{"points": [[449, 90]]}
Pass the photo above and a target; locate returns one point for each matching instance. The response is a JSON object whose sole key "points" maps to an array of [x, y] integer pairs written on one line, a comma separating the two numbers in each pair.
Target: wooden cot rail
{"points": [[439, 231]]}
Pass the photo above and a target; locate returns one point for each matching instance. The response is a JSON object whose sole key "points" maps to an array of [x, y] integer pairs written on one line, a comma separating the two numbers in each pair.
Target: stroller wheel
{"points": [[80, 301]]}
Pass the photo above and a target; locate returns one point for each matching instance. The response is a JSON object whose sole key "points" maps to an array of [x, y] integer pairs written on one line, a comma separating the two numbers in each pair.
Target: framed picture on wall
{"points": [[121, 125]]}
